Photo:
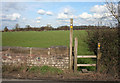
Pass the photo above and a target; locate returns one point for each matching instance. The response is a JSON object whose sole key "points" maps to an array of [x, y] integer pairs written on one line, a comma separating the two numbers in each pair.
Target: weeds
{"points": [[33, 69]]}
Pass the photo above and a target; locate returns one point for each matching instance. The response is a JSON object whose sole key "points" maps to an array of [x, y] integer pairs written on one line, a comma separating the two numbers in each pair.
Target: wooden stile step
{"points": [[88, 56], [86, 64]]}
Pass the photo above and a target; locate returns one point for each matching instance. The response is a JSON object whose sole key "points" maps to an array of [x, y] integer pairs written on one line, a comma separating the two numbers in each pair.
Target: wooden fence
{"points": [[75, 57]]}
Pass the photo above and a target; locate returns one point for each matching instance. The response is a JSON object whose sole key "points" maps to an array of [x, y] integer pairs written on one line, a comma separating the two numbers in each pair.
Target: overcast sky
{"points": [[56, 14]]}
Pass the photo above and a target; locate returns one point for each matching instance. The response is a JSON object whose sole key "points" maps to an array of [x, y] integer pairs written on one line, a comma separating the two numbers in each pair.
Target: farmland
{"points": [[45, 39]]}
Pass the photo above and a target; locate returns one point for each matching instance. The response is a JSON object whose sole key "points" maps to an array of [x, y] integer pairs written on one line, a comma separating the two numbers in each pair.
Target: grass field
{"points": [[46, 39]]}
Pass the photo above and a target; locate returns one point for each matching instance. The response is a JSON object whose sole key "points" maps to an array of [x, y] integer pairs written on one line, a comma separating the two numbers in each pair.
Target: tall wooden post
{"points": [[119, 19], [119, 14], [119, 38], [75, 54], [98, 58], [71, 41]]}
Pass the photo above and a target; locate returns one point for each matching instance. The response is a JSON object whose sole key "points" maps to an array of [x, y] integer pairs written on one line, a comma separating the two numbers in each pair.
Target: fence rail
{"points": [[88, 56], [86, 64]]}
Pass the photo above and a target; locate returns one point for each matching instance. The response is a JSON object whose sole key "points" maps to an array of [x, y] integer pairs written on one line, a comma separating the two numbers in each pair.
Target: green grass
{"points": [[45, 39], [33, 69], [45, 70]]}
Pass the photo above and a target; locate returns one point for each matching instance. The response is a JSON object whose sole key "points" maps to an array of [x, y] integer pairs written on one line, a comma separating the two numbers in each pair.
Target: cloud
{"points": [[38, 18], [23, 18], [49, 13], [11, 17], [66, 10], [65, 16], [12, 6], [98, 12], [62, 16], [15, 16], [66, 13], [38, 21], [85, 15], [97, 15], [99, 9], [41, 11]]}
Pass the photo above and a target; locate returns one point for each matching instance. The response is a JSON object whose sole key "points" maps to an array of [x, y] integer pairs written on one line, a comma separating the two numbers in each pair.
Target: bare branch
{"points": [[112, 8]]}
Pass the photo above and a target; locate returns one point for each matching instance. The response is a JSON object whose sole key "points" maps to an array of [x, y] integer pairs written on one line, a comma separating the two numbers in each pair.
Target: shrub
{"points": [[109, 48]]}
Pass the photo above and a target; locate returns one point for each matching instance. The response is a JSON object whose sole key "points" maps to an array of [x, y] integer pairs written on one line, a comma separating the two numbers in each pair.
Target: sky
{"points": [[37, 14]]}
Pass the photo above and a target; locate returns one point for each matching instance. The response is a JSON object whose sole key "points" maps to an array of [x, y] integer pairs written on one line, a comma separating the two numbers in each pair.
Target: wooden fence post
{"points": [[71, 41], [98, 58], [118, 38], [30, 52], [48, 51], [75, 54], [119, 14], [8, 50]]}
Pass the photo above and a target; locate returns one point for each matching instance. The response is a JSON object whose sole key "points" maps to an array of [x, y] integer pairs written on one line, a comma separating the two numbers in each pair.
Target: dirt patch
{"points": [[51, 73], [65, 76]]}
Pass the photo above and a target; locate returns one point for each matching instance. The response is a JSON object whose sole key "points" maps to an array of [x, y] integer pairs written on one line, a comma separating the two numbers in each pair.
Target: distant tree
{"points": [[28, 27], [5, 29], [17, 27], [63, 28]]}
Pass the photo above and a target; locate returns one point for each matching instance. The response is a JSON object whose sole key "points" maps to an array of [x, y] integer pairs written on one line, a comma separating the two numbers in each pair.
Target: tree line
{"points": [[48, 28]]}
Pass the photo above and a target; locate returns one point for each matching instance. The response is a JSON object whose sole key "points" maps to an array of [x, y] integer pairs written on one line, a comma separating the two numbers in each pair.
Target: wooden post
{"points": [[118, 21], [75, 54], [48, 51], [119, 38], [71, 41], [8, 50], [30, 52], [98, 58], [119, 14]]}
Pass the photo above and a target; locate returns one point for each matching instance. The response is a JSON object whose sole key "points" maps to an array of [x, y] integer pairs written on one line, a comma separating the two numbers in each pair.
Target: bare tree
{"points": [[114, 8]]}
